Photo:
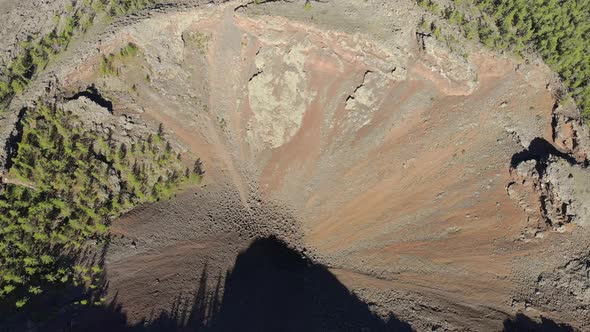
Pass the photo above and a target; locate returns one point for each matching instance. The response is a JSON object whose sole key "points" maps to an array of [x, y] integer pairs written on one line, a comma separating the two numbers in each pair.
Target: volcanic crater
{"points": [[358, 175]]}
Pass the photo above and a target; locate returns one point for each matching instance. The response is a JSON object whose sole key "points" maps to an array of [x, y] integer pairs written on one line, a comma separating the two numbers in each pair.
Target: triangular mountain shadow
{"points": [[273, 288], [270, 288]]}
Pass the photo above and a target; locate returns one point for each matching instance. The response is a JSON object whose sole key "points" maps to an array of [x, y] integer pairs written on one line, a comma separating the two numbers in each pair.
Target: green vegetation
{"points": [[65, 184], [107, 64], [558, 30], [199, 40], [36, 52]]}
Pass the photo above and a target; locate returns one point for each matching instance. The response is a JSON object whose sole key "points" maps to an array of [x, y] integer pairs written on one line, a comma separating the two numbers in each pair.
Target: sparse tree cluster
{"points": [[36, 52], [65, 184], [107, 66]]}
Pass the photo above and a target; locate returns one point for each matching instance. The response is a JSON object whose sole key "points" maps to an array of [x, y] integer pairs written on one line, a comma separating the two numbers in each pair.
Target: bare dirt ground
{"points": [[387, 168]]}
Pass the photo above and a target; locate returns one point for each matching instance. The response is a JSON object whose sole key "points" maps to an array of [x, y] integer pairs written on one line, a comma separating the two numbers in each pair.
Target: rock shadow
{"points": [[540, 150], [270, 288], [93, 94]]}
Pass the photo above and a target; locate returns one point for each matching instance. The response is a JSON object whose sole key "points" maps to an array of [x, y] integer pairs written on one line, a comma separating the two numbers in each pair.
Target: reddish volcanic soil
{"points": [[387, 164]]}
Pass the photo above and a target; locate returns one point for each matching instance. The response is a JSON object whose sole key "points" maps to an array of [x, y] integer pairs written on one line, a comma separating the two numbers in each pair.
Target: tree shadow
{"points": [[270, 288], [56, 303], [523, 323]]}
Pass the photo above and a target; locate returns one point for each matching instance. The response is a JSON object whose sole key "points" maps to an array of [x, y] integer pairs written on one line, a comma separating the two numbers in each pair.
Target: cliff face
{"points": [[450, 191]]}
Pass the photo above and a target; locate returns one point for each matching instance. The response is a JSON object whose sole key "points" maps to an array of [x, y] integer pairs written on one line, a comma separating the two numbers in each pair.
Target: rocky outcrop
{"points": [[573, 279], [569, 133], [452, 72], [278, 94], [557, 184], [551, 178]]}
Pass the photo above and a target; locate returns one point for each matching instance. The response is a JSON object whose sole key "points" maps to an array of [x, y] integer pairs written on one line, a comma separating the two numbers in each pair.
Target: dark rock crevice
{"points": [[420, 36], [358, 87], [11, 146], [258, 72]]}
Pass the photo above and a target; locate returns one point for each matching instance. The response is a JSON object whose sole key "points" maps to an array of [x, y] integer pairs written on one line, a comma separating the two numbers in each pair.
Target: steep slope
{"points": [[447, 191]]}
